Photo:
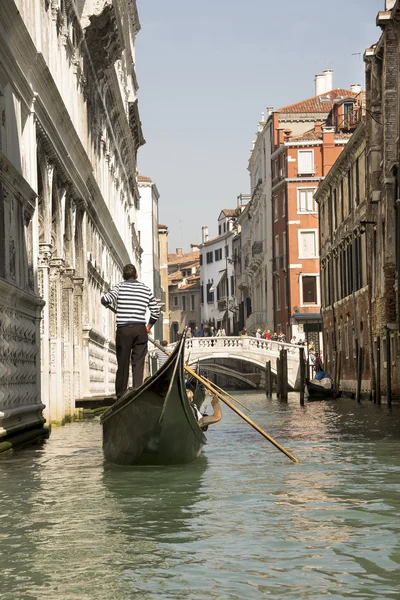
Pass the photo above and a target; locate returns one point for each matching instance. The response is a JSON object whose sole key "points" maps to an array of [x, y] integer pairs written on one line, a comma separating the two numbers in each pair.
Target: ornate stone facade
{"points": [[69, 136]]}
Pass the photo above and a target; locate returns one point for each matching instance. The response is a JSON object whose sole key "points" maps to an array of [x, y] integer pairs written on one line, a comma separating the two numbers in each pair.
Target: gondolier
{"points": [[131, 299]]}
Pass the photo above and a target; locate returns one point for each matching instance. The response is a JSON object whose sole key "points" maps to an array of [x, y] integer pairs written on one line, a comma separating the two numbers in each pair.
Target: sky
{"points": [[207, 69]]}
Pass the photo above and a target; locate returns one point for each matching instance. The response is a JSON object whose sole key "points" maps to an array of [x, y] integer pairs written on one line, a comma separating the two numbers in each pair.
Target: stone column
{"points": [[78, 337], [67, 327], [45, 251], [56, 408]]}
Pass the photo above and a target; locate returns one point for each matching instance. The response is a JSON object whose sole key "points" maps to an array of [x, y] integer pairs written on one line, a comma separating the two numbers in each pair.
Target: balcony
{"points": [[256, 248]]}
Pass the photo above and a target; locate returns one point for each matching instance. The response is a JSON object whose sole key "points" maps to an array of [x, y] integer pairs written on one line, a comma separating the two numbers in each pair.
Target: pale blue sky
{"points": [[206, 71]]}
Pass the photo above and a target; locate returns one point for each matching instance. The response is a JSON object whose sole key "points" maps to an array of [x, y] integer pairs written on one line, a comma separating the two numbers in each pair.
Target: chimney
{"points": [[179, 251], [328, 74], [270, 110], [287, 133], [204, 234], [194, 247], [356, 88], [389, 4], [319, 84], [280, 136], [318, 127]]}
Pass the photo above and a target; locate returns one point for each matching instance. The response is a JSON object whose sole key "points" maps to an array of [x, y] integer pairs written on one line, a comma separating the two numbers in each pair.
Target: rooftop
{"points": [[322, 103], [184, 259]]}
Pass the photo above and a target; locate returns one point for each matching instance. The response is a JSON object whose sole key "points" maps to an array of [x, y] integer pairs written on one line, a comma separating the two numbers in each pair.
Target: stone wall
{"points": [[69, 138]]}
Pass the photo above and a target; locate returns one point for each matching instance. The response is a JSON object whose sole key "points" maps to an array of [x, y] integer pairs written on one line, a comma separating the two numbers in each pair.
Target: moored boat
{"points": [[154, 424], [321, 389]]}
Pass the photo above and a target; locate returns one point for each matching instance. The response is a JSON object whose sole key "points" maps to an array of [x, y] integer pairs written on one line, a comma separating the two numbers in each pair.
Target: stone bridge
{"points": [[249, 349]]}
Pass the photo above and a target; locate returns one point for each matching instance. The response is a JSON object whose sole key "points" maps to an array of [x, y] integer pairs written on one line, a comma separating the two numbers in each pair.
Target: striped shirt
{"points": [[131, 299], [161, 357]]}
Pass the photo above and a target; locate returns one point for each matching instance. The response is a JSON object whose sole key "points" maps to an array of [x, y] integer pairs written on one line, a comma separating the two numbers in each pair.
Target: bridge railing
{"points": [[245, 342]]}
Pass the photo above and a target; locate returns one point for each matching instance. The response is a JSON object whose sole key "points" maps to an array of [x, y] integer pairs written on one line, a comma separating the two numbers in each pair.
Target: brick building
{"points": [[343, 210], [299, 163], [383, 193], [360, 233]]}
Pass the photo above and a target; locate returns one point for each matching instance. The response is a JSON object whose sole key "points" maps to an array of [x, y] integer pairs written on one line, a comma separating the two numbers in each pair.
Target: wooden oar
{"points": [[212, 389], [226, 394]]}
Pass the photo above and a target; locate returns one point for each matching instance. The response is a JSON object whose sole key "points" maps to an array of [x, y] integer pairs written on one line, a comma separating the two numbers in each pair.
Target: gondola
{"points": [[154, 424]]}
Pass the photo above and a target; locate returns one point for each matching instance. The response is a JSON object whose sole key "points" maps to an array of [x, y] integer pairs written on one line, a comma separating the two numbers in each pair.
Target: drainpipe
{"points": [[397, 210]]}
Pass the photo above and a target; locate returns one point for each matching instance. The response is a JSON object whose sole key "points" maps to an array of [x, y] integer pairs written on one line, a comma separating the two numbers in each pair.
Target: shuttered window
{"points": [[308, 244], [306, 162]]}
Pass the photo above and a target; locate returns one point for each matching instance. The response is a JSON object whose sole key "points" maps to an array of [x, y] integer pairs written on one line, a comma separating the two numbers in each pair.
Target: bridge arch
{"points": [[248, 349]]}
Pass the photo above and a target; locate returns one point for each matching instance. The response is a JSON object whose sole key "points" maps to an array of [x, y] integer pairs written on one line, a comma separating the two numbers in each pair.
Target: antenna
{"points": [[361, 68]]}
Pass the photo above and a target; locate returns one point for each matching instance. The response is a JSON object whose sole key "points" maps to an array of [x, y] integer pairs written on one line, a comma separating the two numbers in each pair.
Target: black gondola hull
{"points": [[154, 424]]}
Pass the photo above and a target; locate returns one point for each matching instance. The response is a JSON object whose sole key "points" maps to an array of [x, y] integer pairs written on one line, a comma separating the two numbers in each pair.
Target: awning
{"points": [[217, 280], [307, 316]]}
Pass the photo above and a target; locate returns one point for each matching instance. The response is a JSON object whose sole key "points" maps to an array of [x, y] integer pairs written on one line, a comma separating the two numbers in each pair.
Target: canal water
{"points": [[242, 522]]}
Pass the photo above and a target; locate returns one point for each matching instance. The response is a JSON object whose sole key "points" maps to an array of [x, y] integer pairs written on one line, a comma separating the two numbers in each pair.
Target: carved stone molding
{"points": [[102, 38]]}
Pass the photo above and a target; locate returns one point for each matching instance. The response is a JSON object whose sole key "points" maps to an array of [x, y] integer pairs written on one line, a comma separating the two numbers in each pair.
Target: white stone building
{"points": [[257, 248], [70, 132], [217, 282], [149, 242]]}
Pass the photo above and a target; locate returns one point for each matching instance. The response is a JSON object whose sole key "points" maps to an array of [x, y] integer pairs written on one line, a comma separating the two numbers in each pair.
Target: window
{"points": [[278, 293], [175, 301], [210, 295], [283, 203], [232, 285], [357, 190], [218, 254], [192, 303], [309, 289], [224, 227], [226, 251], [308, 243], [284, 249], [306, 202], [285, 290], [201, 259], [209, 257], [183, 303], [276, 203], [306, 162], [219, 229], [202, 294], [276, 252]]}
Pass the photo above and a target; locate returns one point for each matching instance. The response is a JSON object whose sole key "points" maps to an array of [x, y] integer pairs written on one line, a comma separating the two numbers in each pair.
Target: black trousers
{"points": [[131, 340]]}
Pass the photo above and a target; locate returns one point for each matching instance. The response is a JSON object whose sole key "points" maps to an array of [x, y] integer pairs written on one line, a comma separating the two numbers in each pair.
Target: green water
{"points": [[242, 522]]}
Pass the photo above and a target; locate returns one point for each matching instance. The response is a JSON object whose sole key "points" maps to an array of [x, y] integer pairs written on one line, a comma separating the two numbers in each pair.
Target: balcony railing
{"points": [[256, 248]]}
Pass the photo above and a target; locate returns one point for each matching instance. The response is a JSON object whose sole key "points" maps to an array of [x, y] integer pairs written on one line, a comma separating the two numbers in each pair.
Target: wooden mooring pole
{"points": [[378, 370], [388, 369], [284, 374], [268, 379], [302, 374], [278, 378]]}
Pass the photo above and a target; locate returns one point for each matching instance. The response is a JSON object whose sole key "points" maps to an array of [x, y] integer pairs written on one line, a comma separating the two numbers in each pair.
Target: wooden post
{"points": [[388, 369], [278, 378], [335, 374], [302, 375], [378, 370], [268, 379], [284, 374], [359, 374]]}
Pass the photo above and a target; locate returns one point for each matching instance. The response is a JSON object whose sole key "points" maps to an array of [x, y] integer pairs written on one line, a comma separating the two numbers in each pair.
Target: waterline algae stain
{"points": [[239, 522]]}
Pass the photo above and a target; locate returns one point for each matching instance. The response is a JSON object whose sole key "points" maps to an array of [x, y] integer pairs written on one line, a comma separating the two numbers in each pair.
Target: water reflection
{"points": [[241, 522]]}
